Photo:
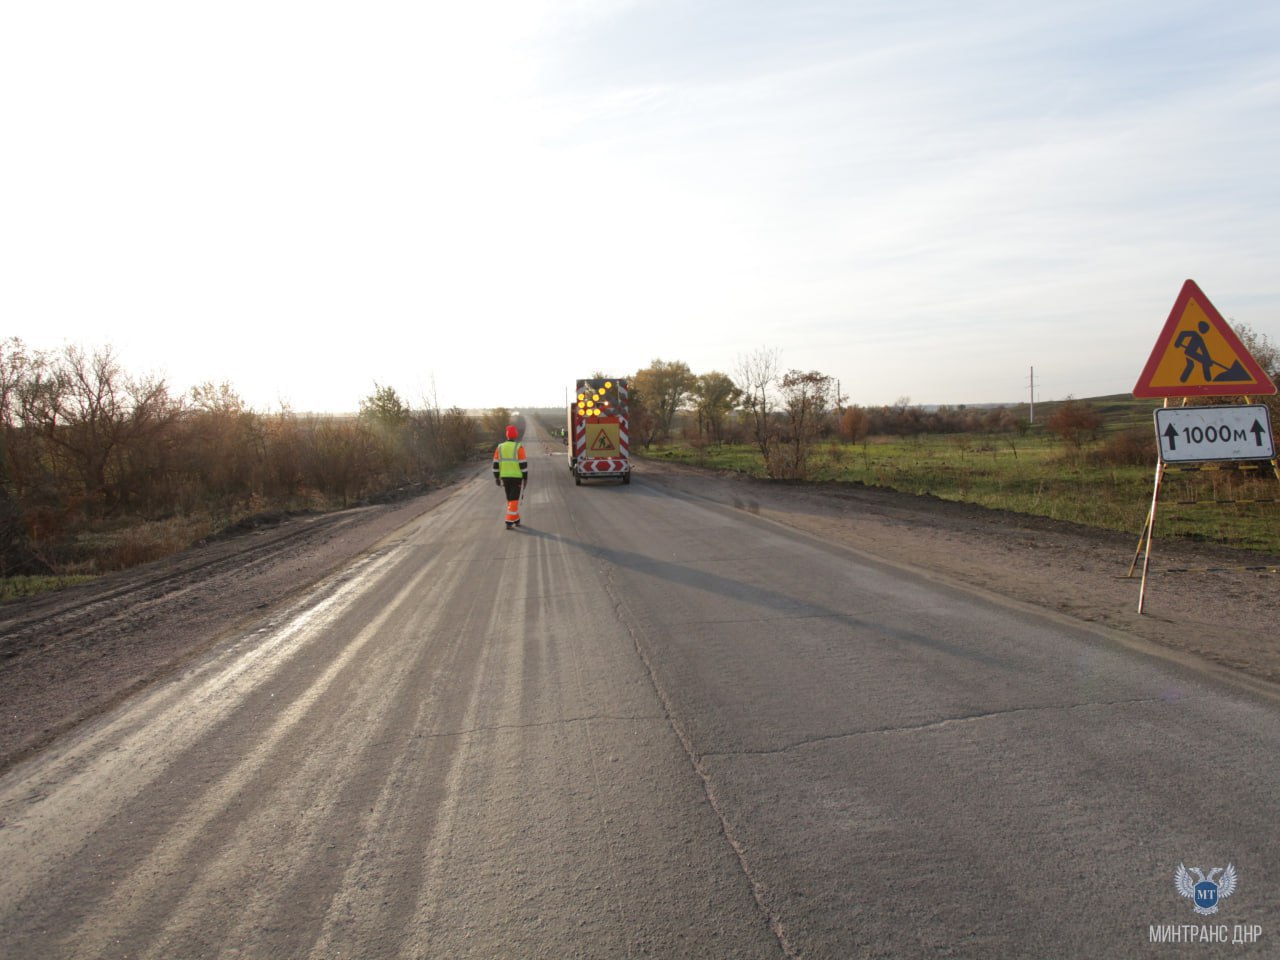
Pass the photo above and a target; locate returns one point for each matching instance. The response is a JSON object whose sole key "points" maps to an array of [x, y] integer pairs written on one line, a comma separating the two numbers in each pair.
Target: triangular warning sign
{"points": [[1198, 355], [603, 443]]}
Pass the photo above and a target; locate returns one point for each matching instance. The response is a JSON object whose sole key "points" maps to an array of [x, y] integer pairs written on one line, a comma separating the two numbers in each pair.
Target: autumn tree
{"points": [[1075, 422], [855, 424], [715, 396], [661, 389]]}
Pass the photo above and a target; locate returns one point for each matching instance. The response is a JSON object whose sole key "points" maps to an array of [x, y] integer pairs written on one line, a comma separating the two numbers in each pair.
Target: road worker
{"points": [[511, 472]]}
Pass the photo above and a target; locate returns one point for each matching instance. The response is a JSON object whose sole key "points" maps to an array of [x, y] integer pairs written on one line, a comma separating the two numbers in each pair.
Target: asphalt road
{"points": [[645, 725]]}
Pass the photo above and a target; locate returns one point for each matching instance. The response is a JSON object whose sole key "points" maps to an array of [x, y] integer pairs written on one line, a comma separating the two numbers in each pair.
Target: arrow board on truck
{"points": [[1198, 355], [1241, 432]]}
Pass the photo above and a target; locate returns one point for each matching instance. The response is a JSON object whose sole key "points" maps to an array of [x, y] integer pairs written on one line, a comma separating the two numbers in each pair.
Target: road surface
{"points": [[645, 725]]}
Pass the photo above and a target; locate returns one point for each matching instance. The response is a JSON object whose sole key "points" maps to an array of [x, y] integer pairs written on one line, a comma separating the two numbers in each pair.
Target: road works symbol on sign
{"points": [[1198, 355], [602, 439], [1215, 433]]}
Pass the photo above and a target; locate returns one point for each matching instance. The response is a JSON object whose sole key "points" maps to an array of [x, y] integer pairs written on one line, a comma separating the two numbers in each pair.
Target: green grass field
{"points": [[1038, 474]]}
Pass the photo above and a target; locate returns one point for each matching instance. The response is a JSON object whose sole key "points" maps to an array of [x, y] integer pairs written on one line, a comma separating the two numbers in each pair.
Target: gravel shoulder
{"points": [[67, 657]]}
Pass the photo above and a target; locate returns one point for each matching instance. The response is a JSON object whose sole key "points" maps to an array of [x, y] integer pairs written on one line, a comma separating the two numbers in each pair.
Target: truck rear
{"points": [[600, 431]]}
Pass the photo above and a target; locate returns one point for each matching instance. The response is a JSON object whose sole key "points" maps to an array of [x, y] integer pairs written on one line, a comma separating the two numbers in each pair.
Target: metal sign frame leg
{"points": [[1142, 540], [1148, 534]]}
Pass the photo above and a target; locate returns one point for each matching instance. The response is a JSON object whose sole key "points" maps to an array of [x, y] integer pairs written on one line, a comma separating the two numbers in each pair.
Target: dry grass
{"points": [[120, 547]]}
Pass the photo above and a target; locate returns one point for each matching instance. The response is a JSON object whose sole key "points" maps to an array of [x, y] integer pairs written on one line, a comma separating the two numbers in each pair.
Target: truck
{"points": [[599, 431]]}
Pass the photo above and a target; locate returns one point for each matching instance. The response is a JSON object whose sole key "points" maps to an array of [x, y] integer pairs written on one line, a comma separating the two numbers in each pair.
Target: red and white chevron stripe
{"points": [[602, 465], [624, 422]]}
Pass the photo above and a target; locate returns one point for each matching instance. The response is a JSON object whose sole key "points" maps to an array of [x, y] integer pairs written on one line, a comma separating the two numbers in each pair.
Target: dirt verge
{"points": [[70, 655]]}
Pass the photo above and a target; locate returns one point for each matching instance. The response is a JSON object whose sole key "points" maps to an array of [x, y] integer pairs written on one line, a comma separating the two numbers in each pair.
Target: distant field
{"points": [[1038, 474]]}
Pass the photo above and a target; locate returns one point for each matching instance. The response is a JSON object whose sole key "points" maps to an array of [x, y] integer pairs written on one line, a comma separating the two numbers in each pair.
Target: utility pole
{"points": [[1031, 417]]}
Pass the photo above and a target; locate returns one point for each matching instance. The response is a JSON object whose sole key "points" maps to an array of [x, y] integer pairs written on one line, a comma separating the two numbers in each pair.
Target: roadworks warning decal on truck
{"points": [[602, 440]]}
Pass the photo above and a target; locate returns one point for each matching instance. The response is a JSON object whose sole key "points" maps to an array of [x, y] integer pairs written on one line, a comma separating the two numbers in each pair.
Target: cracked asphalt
{"points": [[644, 725]]}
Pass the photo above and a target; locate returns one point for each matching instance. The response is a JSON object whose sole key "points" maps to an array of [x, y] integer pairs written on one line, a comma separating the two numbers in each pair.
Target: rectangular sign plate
{"points": [[1238, 432]]}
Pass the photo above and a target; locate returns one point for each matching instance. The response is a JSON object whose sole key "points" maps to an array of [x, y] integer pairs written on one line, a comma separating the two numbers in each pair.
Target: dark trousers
{"points": [[511, 486]]}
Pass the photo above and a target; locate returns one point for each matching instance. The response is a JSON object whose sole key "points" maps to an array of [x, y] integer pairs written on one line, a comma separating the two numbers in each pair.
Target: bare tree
{"points": [[17, 367], [92, 415], [283, 446], [808, 399], [143, 471], [459, 434], [340, 459], [25, 378], [84, 445], [757, 378], [1267, 354], [225, 447]]}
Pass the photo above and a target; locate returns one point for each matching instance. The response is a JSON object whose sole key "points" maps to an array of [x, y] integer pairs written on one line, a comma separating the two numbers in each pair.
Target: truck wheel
{"points": [[626, 477], [577, 480]]}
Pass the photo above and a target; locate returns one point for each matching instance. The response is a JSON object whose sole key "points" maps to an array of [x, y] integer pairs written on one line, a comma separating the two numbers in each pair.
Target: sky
{"points": [[479, 203]]}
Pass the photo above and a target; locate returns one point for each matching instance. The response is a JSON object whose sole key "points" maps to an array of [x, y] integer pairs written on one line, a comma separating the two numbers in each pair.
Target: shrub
{"points": [[1075, 422], [1135, 447]]}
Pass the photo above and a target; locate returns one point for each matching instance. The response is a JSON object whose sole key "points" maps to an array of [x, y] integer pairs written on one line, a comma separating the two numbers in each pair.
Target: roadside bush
{"points": [[1129, 448], [100, 470], [1075, 422]]}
